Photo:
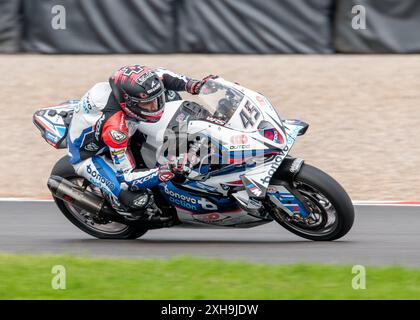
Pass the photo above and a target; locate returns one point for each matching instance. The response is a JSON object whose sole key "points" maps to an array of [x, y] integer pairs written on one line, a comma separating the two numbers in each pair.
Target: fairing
{"points": [[249, 143]]}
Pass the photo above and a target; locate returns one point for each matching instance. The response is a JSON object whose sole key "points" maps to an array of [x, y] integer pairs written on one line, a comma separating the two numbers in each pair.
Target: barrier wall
{"points": [[99, 26], [392, 26], [255, 26], [11, 23], [208, 26]]}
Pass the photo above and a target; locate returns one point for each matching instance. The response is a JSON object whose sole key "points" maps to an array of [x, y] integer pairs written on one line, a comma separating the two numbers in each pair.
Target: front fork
{"points": [[282, 192]]}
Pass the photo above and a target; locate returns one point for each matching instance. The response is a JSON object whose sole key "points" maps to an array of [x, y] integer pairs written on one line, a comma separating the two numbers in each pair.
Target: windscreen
{"points": [[219, 100]]}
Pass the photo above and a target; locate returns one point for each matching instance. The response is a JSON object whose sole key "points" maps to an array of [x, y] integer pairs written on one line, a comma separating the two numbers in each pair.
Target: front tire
{"points": [[326, 201], [111, 230]]}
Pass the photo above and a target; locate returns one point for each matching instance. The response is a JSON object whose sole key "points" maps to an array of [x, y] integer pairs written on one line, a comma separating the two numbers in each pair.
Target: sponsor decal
{"points": [[239, 139], [87, 107], [274, 166], [225, 187], [210, 217], [171, 94], [118, 136], [254, 190], [155, 86], [135, 185], [191, 203], [117, 152], [261, 101], [153, 89], [165, 176], [273, 135], [141, 201], [240, 147], [206, 204], [296, 165], [216, 120], [122, 121], [98, 127], [118, 156], [140, 80], [98, 177], [181, 200], [119, 159], [292, 136], [51, 137], [92, 147], [237, 182], [128, 71], [255, 203], [289, 201], [205, 187]]}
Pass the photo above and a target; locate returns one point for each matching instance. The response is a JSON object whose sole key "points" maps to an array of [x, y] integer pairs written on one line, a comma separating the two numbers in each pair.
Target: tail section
{"points": [[54, 121]]}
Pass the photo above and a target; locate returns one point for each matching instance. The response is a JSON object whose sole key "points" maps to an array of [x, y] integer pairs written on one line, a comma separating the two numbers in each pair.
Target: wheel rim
{"points": [[322, 219], [86, 218]]}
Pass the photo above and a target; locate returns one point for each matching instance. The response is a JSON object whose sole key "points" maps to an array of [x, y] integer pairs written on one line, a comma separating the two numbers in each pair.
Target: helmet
{"points": [[139, 92]]}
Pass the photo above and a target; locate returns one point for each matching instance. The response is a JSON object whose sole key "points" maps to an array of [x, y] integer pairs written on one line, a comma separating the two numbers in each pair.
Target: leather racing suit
{"points": [[100, 127]]}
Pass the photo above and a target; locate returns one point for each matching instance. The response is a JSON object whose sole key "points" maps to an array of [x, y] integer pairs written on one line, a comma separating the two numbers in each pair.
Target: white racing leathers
{"points": [[98, 141]]}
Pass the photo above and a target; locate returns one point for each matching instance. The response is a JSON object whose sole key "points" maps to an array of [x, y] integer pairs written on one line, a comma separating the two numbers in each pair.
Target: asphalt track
{"points": [[381, 235]]}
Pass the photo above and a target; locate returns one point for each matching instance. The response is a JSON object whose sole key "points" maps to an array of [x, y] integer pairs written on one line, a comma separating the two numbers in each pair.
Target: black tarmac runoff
{"points": [[381, 235]]}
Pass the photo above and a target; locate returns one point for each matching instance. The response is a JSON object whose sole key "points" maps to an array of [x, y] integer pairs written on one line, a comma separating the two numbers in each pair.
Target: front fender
{"points": [[288, 169]]}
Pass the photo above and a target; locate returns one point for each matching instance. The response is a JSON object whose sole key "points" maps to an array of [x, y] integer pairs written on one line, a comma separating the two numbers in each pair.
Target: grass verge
{"points": [[31, 277]]}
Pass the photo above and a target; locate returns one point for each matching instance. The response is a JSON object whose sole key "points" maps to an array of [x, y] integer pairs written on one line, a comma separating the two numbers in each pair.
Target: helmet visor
{"points": [[145, 104], [146, 107], [149, 106]]}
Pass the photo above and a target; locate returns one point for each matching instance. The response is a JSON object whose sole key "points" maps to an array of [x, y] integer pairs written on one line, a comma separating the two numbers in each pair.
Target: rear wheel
{"points": [[84, 220], [330, 210]]}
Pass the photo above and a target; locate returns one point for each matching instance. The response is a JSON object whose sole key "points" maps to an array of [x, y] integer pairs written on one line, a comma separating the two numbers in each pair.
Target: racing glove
{"points": [[176, 168], [166, 172], [194, 86]]}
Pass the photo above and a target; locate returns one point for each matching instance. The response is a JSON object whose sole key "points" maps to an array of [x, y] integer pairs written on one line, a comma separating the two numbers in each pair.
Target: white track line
{"points": [[388, 203], [356, 202], [26, 199]]}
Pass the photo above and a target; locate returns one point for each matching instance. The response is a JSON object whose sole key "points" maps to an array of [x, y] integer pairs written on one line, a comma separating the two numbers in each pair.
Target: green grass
{"points": [[30, 277]]}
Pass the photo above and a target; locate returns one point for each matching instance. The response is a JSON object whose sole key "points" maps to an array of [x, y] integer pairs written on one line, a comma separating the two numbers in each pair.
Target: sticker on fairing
{"points": [[118, 136], [288, 200]]}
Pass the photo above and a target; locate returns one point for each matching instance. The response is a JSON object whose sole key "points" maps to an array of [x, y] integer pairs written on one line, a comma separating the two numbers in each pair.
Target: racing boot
{"points": [[140, 205]]}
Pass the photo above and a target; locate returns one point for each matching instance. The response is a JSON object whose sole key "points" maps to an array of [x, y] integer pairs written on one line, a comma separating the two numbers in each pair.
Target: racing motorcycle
{"points": [[241, 174]]}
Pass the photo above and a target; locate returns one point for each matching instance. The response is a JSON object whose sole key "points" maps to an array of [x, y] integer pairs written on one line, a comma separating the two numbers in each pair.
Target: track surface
{"points": [[380, 235]]}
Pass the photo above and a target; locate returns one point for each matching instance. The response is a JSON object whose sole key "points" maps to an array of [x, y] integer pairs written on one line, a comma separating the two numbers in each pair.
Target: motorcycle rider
{"points": [[105, 119]]}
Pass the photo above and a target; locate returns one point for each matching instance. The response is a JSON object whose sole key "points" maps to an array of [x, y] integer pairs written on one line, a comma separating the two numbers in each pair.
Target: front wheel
{"points": [[330, 212]]}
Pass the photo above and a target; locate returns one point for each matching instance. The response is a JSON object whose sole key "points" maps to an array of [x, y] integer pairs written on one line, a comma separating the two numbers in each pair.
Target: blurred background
{"points": [[351, 69]]}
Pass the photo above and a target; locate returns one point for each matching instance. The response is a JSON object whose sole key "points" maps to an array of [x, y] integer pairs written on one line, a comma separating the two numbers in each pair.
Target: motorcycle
{"points": [[241, 174]]}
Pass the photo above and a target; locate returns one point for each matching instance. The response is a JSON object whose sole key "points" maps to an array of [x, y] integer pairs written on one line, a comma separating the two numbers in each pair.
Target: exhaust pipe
{"points": [[63, 189], [83, 199]]}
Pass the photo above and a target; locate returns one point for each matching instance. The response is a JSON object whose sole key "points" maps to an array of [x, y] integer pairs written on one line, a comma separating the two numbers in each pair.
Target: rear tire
{"points": [[64, 169], [331, 190]]}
